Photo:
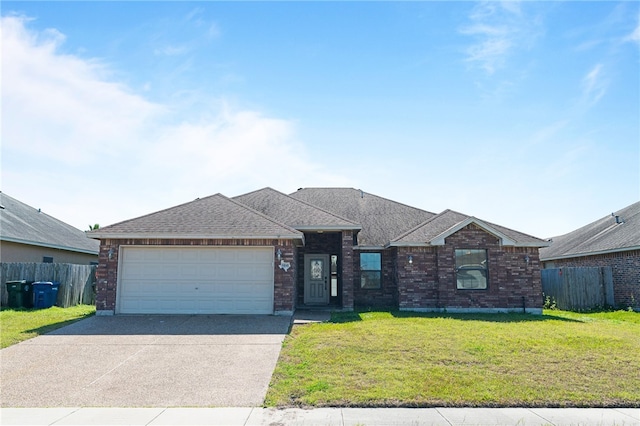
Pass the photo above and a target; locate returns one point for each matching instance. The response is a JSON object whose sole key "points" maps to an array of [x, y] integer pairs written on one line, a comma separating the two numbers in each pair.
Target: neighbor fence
{"points": [[77, 282], [579, 289]]}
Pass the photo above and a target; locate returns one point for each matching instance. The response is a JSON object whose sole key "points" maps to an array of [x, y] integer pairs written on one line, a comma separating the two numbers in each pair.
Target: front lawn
{"points": [[22, 324], [382, 359]]}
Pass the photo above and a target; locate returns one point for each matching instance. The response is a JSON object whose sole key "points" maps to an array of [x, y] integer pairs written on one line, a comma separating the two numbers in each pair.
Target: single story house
{"points": [[614, 241], [30, 235], [268, 252]]}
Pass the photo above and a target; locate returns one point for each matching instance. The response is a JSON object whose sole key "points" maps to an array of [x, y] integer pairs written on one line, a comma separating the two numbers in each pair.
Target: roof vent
{"points": [[619, 220], [361, 194]]}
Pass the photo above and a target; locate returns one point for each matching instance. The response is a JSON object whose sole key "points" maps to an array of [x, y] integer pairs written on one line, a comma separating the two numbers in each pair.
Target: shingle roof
{"points": [[381, 219], [292, 212], [449, 222], [215, 216], [21, 223], [603, 235]]}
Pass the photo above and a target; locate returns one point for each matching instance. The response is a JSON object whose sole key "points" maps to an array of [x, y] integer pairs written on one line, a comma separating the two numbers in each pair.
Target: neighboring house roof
{"points": [[20, 223], [381, 219], [436, 229], [215, 216], [599, 237], [294, 213]]}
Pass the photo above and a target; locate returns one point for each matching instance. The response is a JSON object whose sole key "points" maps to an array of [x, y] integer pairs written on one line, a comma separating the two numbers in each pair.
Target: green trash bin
{"points": [[20, 294], [14, 288]]}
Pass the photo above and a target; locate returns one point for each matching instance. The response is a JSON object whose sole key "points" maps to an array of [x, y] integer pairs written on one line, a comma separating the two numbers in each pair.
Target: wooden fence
{"points": [[77, 282], [579, 289]]}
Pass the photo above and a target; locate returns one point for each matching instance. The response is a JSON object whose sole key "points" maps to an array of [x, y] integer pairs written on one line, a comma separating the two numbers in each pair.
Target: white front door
{"points": [[316, 279]]}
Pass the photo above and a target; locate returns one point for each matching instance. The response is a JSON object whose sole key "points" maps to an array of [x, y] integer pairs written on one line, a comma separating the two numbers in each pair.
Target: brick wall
{"points": [[387, 294], [625, 266], [430, 281], [107, 271], [347, 270]]}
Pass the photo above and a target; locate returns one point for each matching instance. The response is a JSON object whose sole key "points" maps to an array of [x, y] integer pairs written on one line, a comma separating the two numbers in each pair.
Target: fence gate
{"points": [[579, 289]]}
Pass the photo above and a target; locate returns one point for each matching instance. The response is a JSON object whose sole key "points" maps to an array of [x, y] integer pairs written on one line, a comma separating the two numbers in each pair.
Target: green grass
{"points": [[375, 359], [22, 324]]}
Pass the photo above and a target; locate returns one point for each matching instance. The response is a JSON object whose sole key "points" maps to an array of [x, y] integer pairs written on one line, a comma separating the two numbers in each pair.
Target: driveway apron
{"points": [[145, 361]]}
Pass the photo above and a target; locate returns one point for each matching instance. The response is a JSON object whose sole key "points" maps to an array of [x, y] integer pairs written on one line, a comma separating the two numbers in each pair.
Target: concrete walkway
{"points": [[322, 416]]}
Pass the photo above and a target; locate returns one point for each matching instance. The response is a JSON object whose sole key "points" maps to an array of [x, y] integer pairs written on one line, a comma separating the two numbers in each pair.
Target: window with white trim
{"points": [[471, 269], [370, 270]]}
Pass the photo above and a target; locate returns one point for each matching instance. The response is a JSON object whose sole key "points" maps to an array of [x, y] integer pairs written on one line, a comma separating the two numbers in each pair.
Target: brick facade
{"points": [[429, 282], [107, 271], [625, 266], [387, 294]]}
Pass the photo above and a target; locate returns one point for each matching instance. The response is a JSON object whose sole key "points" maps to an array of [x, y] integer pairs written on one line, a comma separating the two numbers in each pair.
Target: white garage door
{"points": [[196, 280]]}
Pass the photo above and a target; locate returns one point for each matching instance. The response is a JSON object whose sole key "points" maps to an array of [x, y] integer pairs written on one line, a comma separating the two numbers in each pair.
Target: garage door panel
{"points": [[196, 280]]}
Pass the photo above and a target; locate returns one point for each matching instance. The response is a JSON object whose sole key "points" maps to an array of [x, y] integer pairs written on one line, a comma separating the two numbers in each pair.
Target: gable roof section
{"points": [[381, 219], [215, 216], [294, 213], [434, 231], [20, 223], [599, 237]]}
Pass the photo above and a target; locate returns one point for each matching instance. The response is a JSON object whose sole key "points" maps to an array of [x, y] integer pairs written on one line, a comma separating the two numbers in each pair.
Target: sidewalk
{"points": [[321, 416]]}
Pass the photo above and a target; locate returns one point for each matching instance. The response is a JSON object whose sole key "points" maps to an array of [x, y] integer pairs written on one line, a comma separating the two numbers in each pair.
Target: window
{"points": [[471, 269], [47, 259], [334, 275], [370, 273]]}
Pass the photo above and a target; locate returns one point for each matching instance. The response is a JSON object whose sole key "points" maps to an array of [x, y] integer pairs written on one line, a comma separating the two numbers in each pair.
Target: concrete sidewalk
{"points": [[321, 416]]}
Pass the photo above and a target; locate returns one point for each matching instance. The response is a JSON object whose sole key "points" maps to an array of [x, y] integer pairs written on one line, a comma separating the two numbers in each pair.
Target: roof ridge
{"points": [[421, 224], [154, 213], [303, 202], [260, 214], [371, 194]]}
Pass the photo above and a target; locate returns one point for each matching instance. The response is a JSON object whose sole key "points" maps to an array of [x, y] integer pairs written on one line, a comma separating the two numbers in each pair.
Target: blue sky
{"points": [[525, 114]]}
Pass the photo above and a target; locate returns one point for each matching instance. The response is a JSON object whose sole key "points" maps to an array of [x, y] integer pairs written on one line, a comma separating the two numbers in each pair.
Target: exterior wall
{"points": [[387, 294], [107, 271], [625, 266], [429, 283], [347, 270], [16, 252]]}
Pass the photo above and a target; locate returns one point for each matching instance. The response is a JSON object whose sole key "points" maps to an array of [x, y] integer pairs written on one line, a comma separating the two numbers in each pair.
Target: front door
{"points": [[316, 279]]}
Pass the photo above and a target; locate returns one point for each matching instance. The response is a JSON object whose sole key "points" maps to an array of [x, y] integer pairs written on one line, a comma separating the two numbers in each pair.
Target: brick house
{"points": [[267, 252], [614, 241]]}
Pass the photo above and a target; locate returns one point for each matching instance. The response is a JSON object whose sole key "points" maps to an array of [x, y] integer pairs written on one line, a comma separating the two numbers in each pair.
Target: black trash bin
{"points": [[27, 294], [45, 294]]}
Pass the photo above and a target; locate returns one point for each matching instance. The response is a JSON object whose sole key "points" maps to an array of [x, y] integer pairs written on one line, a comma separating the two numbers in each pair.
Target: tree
{"points": [[94, 227]]}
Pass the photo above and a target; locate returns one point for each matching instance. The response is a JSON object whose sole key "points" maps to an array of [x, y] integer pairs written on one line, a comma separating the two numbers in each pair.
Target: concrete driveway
{"points": [[145, 361]]}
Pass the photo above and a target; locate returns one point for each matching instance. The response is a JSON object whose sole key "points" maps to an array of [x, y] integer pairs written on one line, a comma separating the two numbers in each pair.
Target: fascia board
{"points": [[327, 228], [369, 247], [439, 239], [119, 236], [47, 245], [411, 244], [591, 253]]}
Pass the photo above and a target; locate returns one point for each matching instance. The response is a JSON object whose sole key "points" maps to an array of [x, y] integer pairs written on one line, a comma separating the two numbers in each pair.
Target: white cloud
{"points": [[499, 28], [87, 149], [635, 35], [594, 85]]}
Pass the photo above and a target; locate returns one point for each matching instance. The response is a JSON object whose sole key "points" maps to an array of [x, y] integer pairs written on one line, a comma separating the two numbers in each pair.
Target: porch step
{"points": [[307, 316]]}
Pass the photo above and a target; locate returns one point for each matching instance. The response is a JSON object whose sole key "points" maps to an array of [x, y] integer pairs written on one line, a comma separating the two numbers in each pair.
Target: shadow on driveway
{"points": [[146, 361]]}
